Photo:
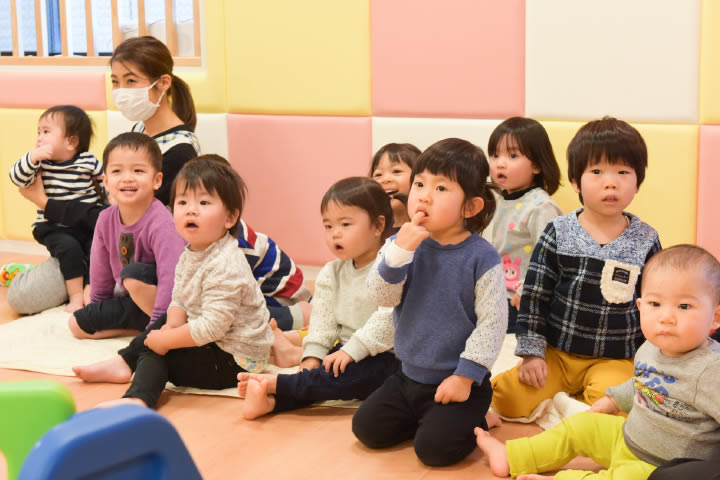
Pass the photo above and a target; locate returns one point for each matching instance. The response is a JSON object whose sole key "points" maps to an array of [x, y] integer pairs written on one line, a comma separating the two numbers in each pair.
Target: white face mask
{"points": [[134, 103]]}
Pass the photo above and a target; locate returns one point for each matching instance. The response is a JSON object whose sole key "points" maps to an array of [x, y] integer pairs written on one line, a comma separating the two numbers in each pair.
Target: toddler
{"points": [[391, 167], [522, 163], [672, 400], [446, 284], [346, 350], [68, 172], [217, 323], [578, 327]]}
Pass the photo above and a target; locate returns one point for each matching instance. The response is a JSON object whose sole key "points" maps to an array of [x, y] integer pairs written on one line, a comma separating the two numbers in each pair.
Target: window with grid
{"points": [[83, 32]]}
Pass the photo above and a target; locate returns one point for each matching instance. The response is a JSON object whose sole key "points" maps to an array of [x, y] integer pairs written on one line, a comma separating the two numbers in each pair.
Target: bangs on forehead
{"points": [[436, 166], [194, 183], [614, 154]]}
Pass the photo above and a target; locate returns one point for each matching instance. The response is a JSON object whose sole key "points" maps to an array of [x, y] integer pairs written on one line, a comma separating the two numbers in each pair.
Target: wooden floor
{"points": [[314, 443]]}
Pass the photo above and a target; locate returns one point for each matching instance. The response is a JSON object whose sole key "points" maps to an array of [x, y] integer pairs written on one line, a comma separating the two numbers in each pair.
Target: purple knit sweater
{"points": [[155, 241]]}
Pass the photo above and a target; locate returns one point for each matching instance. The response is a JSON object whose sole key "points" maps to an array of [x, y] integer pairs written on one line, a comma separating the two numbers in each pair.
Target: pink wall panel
{"points": [[45, 88], [708, 228], [456, 58], [288, 163]]}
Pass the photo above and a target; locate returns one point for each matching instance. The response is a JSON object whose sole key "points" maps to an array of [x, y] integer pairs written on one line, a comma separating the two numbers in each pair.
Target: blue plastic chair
{"points": [[124, 442]]}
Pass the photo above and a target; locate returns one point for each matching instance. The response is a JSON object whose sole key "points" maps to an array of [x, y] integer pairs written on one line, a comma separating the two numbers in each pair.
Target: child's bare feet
{"points": [[284, 352], [75, 303], [257, 401], [244, 378], [492, 420], [494, 450], [121, 401], [113, 370]]}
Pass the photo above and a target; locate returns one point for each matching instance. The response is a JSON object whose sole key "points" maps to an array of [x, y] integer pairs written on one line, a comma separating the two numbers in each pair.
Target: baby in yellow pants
{"points": [[672, 399]]}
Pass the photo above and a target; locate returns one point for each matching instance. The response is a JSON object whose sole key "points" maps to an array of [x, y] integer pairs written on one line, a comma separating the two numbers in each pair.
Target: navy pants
{"points": [[357, 382]]}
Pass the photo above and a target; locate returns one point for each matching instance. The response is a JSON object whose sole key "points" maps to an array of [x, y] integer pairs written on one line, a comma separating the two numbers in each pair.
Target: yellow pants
{"points": [[595, 435], [567, 372]]}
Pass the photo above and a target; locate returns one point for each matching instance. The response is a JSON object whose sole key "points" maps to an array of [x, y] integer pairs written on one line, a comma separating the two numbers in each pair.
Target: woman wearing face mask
{"points": [[147, 92]]}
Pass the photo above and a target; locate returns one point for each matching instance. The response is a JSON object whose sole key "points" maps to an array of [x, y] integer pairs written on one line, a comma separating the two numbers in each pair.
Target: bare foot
{"points": [[75, 303], [494, 450], [284, 352], [534, 476], [121, 401], [492, 420], [113, 370], [244, 378], [257, 401]]}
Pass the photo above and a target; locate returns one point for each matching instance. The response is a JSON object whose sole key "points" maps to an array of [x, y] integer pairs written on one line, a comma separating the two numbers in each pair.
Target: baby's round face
{"points": [[677, 309]]}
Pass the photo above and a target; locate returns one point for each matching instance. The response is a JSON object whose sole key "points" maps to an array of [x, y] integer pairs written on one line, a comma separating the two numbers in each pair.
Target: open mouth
{"points": [[391, 193], [501, 176], [339, 248], [128, 190], [191, 225], [610, 199]]}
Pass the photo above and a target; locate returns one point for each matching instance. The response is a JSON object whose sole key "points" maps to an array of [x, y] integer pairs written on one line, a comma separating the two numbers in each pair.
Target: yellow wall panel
{"points": [[667, 199], [710, 62], [290, 57], [19, 129]]}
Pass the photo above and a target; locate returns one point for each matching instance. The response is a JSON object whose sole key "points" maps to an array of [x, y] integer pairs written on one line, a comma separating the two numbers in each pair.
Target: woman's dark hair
{"points": [[464, 163], [154, 60], [77, 124], [611, 139], [216, 175], [135, 141], [405, 153], [365, 193], [528, 136]]}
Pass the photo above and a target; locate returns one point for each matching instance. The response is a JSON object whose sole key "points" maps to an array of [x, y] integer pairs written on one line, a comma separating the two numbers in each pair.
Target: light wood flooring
{"points": [[313, 443]]}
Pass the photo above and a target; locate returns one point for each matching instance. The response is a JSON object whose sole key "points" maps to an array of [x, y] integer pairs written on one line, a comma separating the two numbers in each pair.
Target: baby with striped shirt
{"points": [[68, 172]]}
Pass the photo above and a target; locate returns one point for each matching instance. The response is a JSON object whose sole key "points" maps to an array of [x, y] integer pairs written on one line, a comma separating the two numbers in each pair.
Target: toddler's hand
{"points": [[515, 301], [155, 342], [309, 363], [338, 361], [533, 372], [412, 234], [43, 152], [454, 388], [606, 404]]}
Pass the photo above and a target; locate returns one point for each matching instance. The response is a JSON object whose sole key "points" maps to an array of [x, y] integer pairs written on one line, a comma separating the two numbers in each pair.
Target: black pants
{"points": [[358, 382], [512, 318], [403, 409], [688, 468], [201, 367], [70, 247]]}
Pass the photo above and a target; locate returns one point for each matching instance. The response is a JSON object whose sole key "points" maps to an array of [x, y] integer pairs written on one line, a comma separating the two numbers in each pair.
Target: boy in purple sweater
{"points": [[135, 247]]}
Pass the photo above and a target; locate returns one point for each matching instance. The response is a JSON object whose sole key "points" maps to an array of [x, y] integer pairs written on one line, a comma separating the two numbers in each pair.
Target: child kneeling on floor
{"points": [[346, 350], [217, 323], [672, 400]]}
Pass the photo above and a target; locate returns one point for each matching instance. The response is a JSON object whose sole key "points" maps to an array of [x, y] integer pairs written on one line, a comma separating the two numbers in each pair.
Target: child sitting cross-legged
{"points": [[217, 323], [672, 400], [346, 350]]}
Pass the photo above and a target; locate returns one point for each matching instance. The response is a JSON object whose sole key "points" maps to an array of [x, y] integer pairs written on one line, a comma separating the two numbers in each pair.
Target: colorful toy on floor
{"points": [[9, 270], [28, 410], [123, 442]]}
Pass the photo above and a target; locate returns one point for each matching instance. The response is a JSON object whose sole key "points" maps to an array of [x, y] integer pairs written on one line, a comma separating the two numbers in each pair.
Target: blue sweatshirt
{"points": [[450, 309]]}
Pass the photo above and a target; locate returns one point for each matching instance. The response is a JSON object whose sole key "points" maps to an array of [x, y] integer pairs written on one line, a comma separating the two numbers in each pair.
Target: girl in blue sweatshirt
{"points": [[447, 287]]}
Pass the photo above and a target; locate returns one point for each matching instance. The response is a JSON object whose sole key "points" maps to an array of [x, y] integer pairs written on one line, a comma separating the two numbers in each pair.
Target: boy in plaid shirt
{"points": [[578, 327]]}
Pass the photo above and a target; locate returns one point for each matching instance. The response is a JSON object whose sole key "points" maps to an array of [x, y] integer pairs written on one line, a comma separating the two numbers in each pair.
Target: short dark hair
{"points": [[529, 137], [405, 153], [135, 141], [365, 193], [466, 164], [687, 257], [77, 124], [216, 175], [609, 138]]}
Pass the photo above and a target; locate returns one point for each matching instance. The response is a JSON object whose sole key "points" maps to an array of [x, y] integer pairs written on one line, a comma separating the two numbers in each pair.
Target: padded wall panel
{"points": [[423, 132], [290, 57], [288, 164], [38, 88], [710, 62], [634, 60], [457, 58], [211, 130], [667, 197], [19, 132], [708, 199]]}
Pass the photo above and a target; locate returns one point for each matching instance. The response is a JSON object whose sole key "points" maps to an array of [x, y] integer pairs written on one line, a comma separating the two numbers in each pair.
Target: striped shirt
{"points": [[580, 296], [69, 180]]}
